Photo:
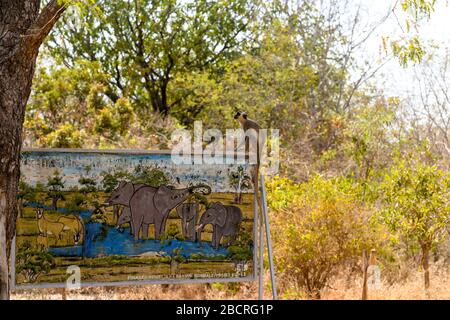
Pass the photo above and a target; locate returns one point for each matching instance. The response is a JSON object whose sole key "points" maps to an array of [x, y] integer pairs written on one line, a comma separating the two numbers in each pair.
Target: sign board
{"points": [[131, 217]]}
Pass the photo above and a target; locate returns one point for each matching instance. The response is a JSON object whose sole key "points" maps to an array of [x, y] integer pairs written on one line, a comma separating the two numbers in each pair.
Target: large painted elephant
{"points": [[188, 212], [150, 205], [225, 219]]}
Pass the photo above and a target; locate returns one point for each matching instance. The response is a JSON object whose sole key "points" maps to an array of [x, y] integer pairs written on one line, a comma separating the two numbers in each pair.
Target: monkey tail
{"points": [[255, 179]]}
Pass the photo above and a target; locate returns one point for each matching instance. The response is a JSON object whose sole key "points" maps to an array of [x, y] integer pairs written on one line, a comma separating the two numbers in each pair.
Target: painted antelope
{"points": [[55, 229], [74, 225]]}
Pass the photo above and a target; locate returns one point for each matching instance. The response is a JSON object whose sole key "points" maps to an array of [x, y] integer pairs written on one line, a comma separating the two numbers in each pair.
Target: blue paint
{"points": [[75, 251], [104, 240]]}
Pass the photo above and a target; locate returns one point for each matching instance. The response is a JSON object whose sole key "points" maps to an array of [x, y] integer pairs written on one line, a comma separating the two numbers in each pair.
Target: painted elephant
{"points": [[225, 220], [150, 205], [188, 212], [125, 217]]}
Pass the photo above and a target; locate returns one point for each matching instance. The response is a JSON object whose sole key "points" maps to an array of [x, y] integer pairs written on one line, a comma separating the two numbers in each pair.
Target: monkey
{"points": [[247, 124]]}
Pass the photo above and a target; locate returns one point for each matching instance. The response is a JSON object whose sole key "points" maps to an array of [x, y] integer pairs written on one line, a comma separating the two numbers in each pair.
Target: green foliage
{"points": [[111, 79], [240, 180], [176, 256], [416, 202], [410, 49], [122, 260], [111, 180], [143, 50], [31, 263], [26, 192], [321, 227], [365, 141], [69, 107], [88, 185], [198, 198]]}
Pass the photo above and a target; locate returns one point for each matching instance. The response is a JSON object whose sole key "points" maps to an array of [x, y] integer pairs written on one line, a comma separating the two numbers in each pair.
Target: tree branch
{"points": [[45, 22]]}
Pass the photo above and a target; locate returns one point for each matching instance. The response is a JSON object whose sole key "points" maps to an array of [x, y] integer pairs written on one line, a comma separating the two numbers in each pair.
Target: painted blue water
{"points": [[75, 251], [104, 240]]}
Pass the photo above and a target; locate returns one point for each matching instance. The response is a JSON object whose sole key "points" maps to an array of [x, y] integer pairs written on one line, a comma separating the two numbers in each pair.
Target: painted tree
{"points": [[150, 175], [88, 184], [417, 207], [23, 27], [240, 180], [55, 184], [26, 193]]}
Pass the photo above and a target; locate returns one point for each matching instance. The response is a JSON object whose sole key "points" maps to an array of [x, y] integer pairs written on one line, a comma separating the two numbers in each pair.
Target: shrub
{"points": [[32, 263], [416, 207], [318, 227]]}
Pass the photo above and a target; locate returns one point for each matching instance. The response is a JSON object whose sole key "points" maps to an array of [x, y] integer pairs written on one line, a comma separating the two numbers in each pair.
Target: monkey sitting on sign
{"points": [[248, 124]]}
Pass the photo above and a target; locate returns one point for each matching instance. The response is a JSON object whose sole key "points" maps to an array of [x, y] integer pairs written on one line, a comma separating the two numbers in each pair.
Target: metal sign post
{"points": [[264, 220]]}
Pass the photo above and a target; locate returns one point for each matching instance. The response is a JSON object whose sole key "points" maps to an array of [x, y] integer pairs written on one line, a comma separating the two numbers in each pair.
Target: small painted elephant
{"points": [[226, 220], [188, 212], [125, 217]]}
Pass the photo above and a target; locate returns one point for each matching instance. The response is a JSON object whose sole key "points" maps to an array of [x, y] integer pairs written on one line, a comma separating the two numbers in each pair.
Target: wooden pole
{"points": [[365, 263], [368, 260]]}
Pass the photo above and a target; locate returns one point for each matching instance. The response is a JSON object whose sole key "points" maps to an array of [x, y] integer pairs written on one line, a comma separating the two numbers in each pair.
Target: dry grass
{"points": [[341, 288], [150, 292], [411, 289]]}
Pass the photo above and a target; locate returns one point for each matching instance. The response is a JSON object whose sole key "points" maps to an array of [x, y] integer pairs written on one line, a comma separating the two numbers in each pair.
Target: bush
{"points": [[318, 227], [416, 207], [31, 263]]}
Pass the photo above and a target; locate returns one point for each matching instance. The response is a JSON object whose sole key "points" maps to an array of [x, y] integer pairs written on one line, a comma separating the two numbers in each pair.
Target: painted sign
{"points": [[124, 217]]}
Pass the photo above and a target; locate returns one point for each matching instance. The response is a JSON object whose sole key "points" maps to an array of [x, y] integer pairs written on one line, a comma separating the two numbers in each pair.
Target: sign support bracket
{"points": [[264, 224]]}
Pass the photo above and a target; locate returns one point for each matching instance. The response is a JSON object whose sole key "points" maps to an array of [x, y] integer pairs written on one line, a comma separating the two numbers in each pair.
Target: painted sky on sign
{"points": [[37, 166]]}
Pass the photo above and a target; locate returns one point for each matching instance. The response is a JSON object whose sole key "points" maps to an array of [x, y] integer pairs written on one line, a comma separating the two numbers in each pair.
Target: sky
{"points": [[393, 78]]}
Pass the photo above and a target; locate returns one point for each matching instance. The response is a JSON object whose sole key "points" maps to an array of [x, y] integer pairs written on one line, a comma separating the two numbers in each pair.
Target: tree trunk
{"points": [[164, 107], [425, 265], [22, 30], [365, 276], [54, 203]]}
